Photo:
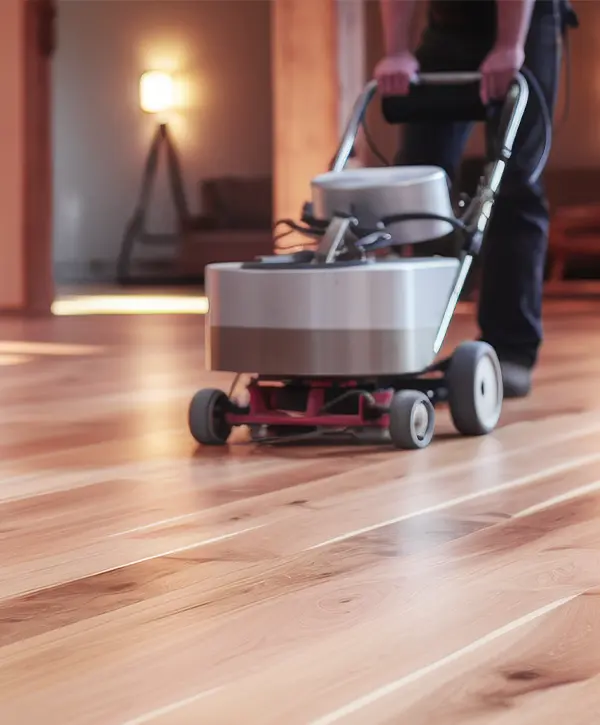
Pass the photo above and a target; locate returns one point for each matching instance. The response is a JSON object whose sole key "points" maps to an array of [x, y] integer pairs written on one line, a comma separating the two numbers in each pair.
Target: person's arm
{"points": [[398, 66], [513, 19], [508, 54], [396, 18]]}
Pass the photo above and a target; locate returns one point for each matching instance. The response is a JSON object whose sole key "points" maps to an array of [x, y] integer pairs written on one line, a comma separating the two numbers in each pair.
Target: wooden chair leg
{"points": [[557, 268]]}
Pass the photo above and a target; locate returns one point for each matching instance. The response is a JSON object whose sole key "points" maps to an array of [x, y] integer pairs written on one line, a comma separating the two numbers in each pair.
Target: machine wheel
{"points": [[475, 389], [207, 417], [412, 420]]}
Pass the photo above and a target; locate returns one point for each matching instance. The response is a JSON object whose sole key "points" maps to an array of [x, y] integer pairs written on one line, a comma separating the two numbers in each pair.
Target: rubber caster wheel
{"points": [[207, 419], [412, 420], [475, 390]]}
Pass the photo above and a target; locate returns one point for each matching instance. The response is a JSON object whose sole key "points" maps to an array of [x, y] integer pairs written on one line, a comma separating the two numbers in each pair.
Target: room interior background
{"points": [[220, 52]]}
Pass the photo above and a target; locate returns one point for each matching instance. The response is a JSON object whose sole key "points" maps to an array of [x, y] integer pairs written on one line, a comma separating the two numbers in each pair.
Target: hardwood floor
{"points": [[143, 580]]}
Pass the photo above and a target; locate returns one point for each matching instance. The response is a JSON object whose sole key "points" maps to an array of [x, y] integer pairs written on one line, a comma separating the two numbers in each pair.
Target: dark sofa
{"points": [[235, 224]]}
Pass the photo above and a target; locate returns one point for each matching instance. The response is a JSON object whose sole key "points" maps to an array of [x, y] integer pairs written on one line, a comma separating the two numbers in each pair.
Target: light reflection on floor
{"points": [[7, 360], [134, 304], [23, 347]]}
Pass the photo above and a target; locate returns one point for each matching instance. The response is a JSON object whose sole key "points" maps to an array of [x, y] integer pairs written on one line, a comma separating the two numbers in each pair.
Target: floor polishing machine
{"points": [[345, 337]]}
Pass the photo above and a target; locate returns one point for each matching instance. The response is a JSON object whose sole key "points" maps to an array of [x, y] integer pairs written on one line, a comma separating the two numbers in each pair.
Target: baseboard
{"points": [[102, 272], [105, 272]]}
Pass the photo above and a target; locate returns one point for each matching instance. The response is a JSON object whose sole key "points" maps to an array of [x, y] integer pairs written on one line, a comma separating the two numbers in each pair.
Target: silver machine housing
{"points": [[376, 317], [366, 320]]}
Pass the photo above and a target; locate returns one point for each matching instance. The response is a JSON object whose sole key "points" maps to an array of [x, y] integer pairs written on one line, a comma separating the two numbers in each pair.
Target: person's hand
{"points": [[395, 73], [498, 71]]}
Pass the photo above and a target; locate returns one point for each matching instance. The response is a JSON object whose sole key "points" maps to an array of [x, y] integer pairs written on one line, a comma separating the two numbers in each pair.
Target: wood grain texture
{"points": [[144, 580]]}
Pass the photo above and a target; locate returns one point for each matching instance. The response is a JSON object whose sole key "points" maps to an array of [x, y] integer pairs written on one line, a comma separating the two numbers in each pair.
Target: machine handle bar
{"points": [[438, 97]]}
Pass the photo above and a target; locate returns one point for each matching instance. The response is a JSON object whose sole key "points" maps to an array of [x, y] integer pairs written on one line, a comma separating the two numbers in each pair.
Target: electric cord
{"points": [[378, 236], [346, 396], [546, 121], [315, 230], [456, 223], [371, 143]]}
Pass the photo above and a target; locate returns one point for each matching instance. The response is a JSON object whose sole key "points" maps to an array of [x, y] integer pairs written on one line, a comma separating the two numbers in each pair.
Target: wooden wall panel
{"points": [[25, 156], [305, 102], [12, 288]]}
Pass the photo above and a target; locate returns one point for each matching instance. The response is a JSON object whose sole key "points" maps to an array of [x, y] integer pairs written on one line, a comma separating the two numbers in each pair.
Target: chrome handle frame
{"points": [[362, 103], [453, 78], [478, 214], [353, 127]]}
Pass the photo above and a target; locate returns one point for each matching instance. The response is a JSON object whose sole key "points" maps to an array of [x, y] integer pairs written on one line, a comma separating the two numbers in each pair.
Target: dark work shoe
{"points": [[516, 379]]}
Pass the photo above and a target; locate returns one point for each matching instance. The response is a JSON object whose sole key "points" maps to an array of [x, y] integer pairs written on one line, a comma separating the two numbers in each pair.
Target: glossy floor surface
{"points": [[145, 581]]}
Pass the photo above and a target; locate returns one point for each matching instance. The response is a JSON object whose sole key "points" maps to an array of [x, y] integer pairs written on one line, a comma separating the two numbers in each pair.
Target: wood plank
{"points": [[254, 654], [548, 670], [252, 558], [138, 572], [327, 516]]}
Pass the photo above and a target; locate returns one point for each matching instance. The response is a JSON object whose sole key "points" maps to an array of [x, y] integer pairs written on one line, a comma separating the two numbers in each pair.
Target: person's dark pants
{"points": [[514, 250]]}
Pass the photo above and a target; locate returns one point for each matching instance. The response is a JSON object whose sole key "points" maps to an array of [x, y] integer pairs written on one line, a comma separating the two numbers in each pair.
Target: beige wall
{"points": [[221, 52], [11, 154], [577, 142]]}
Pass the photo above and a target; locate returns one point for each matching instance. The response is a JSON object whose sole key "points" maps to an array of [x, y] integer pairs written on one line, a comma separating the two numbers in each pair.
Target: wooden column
{"points": [[305, 98], [25, 159], [12, 146], [39, 48], [351, 57]]}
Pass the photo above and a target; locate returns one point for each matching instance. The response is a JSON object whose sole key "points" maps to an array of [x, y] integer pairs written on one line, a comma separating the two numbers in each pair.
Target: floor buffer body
{"points": [[346, 337]]}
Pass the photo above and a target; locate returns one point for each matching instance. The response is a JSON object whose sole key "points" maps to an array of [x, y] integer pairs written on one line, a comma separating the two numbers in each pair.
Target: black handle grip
{"points": [[436, 102]]}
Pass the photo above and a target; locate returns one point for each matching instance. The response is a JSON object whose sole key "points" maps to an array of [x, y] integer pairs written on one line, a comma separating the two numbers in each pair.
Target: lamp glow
{"points": [[156, 92]]}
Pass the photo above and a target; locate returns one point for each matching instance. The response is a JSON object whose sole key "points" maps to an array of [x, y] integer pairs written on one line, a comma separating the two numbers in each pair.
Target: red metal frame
{"points": [[262, 408]]}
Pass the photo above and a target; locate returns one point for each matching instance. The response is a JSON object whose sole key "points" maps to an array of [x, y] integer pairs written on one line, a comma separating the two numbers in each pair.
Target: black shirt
{"points": [[467, 14]]}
